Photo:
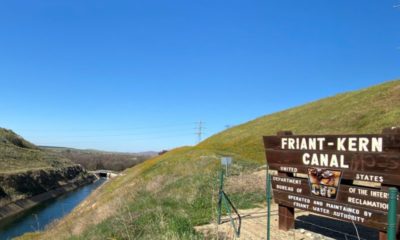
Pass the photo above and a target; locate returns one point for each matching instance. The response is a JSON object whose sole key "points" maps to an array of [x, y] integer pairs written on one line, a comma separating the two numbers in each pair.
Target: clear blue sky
{"points": [[137, 75]]}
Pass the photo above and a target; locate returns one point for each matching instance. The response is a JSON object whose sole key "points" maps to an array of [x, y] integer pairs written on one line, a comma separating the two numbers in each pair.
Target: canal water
{"points": [[41, 215]]}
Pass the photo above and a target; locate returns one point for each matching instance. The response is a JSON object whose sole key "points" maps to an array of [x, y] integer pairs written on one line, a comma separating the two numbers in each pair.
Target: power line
{"points": [[172, 136], [176, 125], [149, 133], [200, 129], [128, 132]]}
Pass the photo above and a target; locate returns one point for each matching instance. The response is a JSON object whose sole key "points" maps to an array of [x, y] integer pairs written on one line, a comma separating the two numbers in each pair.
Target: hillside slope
{"points": [[19, 155], [165, 197], [365, 111], [27, 171]]}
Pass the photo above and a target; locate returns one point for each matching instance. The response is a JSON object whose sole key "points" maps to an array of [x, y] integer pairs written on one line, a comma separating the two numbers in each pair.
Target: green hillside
{"points": [[17, 154], [165, 197], [364, 111]]}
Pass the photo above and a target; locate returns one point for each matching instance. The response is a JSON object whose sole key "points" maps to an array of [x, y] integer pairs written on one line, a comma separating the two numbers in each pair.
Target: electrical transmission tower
{"points": [[200, 131]]}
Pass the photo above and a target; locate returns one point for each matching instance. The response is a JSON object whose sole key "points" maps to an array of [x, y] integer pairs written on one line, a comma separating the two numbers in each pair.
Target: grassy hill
{"points": [[27, 171], [365, 111], [163, 198], [18, 155]]}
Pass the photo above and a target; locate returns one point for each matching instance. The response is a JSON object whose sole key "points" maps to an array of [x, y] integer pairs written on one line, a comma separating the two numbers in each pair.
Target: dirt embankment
{"points": [[21, 191]]}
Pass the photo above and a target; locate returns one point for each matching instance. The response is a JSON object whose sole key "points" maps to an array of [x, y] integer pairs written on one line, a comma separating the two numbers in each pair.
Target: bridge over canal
{"points": [[105, 173]]}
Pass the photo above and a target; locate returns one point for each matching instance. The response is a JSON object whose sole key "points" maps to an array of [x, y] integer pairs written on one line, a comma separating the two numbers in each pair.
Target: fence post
{"points": [[392, 214], [268, 204], [221, 188]]}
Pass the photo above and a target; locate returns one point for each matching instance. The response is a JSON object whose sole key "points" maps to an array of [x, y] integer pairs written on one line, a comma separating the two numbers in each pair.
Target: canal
{"points": [[40, 216]]}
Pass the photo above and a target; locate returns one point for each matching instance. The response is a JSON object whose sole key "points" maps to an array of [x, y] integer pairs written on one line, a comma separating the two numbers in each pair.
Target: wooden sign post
{"points": [[331, 164], [286, 222]]}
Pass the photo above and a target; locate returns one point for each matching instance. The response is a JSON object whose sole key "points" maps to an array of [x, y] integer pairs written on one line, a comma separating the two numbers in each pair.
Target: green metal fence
{"points": [[224, 200], [392, 214], [269, 198]]}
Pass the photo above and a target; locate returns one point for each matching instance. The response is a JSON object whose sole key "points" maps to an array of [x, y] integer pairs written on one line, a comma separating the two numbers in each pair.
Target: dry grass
{"points": [[246, 182]]}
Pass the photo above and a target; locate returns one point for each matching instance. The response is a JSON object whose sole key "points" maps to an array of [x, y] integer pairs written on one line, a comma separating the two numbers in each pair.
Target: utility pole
{"points": [[200, 129]]}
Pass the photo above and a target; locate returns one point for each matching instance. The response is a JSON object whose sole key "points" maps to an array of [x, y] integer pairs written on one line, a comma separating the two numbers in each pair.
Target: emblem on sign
{"points": [[324, 182]]}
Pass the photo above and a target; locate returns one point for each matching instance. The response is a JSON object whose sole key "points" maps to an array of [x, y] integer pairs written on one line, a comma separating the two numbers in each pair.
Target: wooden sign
{"points": [[355, 196], [331, 164]]}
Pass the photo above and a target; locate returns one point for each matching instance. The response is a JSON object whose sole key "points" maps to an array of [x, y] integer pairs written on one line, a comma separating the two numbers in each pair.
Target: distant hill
{"points": [[17, 154], [57, 148], [96, 159], [168, 195]]}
